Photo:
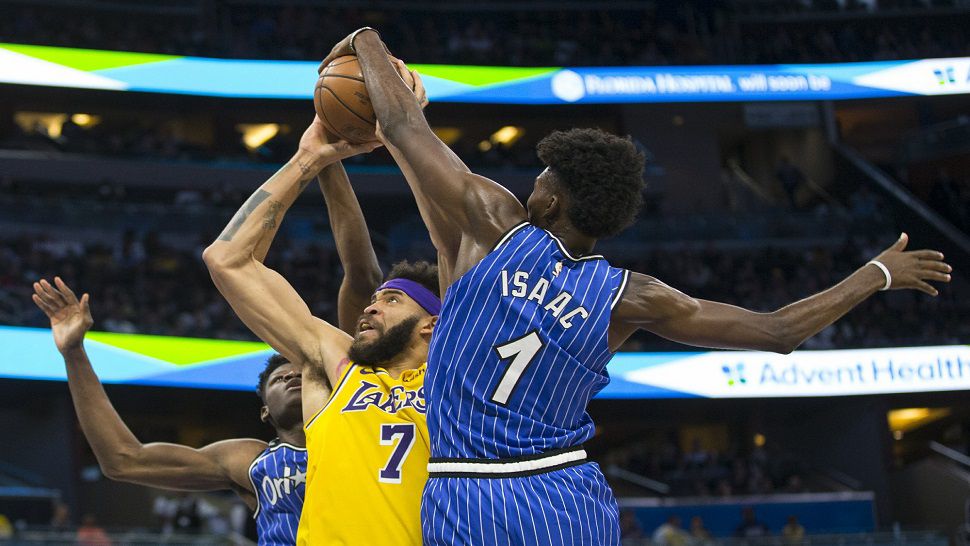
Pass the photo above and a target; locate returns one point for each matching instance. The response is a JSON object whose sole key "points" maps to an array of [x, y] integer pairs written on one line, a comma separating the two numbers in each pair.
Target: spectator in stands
{"points": [[794, 484], [699, 535], [630, 527], [671, 533], [6, 529], [91, 534], [61, 516], [793, 532], [750, 526]]}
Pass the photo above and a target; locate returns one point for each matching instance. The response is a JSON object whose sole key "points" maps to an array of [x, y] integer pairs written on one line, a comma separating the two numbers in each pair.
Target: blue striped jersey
{"points": [[278, 476], [519, 349]]}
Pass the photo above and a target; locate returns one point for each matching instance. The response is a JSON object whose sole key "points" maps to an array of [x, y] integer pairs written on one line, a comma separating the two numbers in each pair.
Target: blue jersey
{"points": [[519, 350], [278, 476]]}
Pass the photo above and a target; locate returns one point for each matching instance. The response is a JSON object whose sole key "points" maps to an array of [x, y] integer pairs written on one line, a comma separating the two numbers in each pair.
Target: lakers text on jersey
{"points": [[368, 462]]}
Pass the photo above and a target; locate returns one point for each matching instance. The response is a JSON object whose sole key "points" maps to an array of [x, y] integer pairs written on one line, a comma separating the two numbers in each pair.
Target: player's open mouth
{"points": [[364, 327]]}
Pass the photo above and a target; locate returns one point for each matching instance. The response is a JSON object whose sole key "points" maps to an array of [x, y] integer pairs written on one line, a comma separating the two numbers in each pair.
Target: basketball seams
{"points": [[329, 124], [344, 104], [326, 75]]}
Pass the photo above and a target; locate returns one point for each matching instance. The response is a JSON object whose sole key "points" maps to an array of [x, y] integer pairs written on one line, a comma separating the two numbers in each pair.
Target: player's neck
{"points": [[409, 359], [292, 435], [577, 243]]}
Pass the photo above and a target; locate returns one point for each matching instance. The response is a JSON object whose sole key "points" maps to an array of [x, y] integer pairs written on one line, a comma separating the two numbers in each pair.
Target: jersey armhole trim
{"points": [[508, 235], [333, 395], [252, 466], [621, 290]]}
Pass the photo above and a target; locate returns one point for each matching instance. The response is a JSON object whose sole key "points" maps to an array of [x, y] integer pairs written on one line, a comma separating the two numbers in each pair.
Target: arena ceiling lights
{"points": [[29, 353], [123, 71]]}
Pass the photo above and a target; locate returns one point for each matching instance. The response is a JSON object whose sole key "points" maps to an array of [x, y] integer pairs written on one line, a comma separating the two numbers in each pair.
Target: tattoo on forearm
{"points": [[304, 168], [272, 215], [242, 214]]}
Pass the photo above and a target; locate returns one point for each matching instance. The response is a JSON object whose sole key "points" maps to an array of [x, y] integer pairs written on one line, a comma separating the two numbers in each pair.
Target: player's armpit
{"points": [[651, 305], [270, 307]]}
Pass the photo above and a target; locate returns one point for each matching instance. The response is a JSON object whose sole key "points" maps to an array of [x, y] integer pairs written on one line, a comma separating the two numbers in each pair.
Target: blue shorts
{"points": [[569, 506]]}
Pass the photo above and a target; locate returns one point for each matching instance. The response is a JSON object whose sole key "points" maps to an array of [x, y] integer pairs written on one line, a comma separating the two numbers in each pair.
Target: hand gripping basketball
{"points": [[342, 102]]}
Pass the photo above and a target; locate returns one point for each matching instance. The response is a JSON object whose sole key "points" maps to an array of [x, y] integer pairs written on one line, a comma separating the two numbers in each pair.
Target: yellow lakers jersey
{"points": [[368, 461]]}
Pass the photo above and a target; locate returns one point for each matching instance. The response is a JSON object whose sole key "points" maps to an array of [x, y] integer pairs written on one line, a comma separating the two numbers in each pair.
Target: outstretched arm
{"points": [[654, 306], [222, 465], [362, 272], [262, 298], [465, 213]]}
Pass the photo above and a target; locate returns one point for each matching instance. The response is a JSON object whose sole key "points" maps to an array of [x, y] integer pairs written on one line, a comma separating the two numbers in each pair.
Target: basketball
{"points": [[342, 103]]}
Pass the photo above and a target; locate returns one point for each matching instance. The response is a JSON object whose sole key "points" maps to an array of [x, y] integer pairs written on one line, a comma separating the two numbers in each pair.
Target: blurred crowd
{"points": [[699, 472], [656, 33], [147, 137], [141, 283]]}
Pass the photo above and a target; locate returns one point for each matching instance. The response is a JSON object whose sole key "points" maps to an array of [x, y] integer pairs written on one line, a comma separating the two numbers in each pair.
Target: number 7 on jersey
{"points": [[522, 351]]}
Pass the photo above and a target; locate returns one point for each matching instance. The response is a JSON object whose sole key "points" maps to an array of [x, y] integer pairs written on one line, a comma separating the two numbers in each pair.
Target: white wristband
{"points": [[885, 271], [354, 37]]}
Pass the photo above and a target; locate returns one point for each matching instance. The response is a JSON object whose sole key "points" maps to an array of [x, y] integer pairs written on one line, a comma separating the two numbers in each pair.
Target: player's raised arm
{"points": [[654, 306], [465, 213], [362, 272], [223, 465], [262, 298]]}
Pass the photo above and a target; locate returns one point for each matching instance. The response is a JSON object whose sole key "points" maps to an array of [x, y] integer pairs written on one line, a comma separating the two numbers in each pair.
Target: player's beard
{"points": [[384, 348]]}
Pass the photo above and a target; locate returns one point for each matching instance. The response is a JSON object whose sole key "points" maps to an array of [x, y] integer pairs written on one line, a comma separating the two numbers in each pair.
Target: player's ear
{"points": [[264, 414], [428, 326], [552, 208]]}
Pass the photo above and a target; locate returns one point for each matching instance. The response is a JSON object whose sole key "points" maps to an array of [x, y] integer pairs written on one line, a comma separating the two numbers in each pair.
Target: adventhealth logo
{"points": [[949, 75], [735, 374], [874, 372]]}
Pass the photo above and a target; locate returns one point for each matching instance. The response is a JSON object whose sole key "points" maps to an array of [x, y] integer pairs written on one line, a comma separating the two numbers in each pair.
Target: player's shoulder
{"points": [[646, 297]]}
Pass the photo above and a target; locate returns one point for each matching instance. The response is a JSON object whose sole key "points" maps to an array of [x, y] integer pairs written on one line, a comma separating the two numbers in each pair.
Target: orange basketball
{"points": [[341, 101]]}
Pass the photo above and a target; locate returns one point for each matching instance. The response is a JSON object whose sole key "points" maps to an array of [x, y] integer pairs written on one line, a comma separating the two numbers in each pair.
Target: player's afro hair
{"points": [[603, 175], [272, 363], [421, 272]]}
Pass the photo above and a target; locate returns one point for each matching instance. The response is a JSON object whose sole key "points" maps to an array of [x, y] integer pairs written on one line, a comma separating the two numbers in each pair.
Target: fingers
{"points": [[927, 254], [900, 243], [85, 307], [43, 306], [933, 265], [50, 294], [419, 91], [65, 290], [924, 287], [935, 276]]}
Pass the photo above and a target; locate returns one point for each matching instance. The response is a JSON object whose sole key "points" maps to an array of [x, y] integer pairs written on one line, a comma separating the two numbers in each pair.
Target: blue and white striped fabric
{"points": [[570, 506], [278, 476], [519, 350]]}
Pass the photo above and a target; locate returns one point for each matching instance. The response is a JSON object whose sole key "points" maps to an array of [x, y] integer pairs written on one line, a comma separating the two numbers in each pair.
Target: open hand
{"points": [[70, 318], [913, 269]]}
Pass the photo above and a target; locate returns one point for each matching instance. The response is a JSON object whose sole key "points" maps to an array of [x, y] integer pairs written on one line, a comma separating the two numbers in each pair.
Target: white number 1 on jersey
{"points": [[521, 350]]}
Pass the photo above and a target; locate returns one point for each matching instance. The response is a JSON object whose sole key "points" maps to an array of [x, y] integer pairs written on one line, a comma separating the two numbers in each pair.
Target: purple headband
{"points": [[427, 299]]}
